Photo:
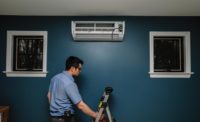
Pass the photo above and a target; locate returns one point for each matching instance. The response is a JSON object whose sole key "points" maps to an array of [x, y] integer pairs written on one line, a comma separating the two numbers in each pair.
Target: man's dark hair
{"points": [[73, 61]]}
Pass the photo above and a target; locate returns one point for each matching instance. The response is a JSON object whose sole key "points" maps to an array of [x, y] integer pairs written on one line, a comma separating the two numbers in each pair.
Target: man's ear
{"points": [[72, 69]]}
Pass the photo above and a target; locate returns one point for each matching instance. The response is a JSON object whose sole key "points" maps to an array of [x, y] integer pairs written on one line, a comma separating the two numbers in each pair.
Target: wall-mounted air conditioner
{"points": [[98, 30]]}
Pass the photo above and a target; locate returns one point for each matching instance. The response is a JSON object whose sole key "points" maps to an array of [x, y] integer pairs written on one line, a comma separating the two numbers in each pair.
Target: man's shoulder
{"points": [[57, 75], [62, 77]]}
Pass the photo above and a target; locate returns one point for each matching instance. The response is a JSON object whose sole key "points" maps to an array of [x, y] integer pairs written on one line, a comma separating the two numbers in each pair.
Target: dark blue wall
{"points": [[122, 65]]}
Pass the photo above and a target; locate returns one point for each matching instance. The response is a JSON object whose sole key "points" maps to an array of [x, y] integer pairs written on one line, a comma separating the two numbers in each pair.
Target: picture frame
{"points": [[170, 54], [26, 54]]}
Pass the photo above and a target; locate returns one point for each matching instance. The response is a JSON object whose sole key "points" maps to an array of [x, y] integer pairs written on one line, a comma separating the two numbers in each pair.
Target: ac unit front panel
{"points": [[97, 37], [98, 30]]}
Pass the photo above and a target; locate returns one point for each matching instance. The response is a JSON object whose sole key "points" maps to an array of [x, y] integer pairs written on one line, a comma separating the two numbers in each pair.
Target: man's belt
{"points": [[67, 114], [57, 117]]}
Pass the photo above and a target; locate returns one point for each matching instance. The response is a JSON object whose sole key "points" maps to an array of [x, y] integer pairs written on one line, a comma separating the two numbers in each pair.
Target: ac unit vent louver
{"points": [[98, 30]]}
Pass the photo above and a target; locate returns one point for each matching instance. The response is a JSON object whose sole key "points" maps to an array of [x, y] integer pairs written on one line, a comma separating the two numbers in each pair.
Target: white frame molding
{"points": [[187, 55], [9, 55]]}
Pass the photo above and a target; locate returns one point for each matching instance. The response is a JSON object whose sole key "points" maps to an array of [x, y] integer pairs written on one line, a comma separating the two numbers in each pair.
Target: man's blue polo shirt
{"points": [[64, 93]]}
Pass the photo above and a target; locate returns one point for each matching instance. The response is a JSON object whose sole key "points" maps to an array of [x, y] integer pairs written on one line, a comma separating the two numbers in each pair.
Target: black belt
{"points": [[58, 117], [72, 115], [63, 118]]}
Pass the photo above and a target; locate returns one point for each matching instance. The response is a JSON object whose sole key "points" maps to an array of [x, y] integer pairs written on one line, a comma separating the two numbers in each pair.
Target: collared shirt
{"points": [[64, 93]]}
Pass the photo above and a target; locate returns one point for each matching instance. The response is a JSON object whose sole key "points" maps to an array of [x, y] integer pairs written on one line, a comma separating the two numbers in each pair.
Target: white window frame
{"points": [[187, 55], [9, 54]]}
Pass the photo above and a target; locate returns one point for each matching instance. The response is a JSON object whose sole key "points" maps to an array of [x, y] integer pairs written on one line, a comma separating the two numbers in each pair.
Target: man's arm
{"points": [[49, 96], [86, 109]]}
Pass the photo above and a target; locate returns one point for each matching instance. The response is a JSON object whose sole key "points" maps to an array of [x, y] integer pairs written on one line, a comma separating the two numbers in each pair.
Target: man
{"points": [[63, 93]]}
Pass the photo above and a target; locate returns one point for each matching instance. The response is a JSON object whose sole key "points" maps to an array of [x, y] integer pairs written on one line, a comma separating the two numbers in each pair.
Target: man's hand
{"points": [[101, 118]]}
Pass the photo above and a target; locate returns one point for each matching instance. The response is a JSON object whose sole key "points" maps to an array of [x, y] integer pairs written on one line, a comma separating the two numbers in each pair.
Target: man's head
{"points": [[73, 65]]}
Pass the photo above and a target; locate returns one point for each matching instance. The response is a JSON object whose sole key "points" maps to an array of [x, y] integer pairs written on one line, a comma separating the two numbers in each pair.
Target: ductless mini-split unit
{"points": [[98, 30]]}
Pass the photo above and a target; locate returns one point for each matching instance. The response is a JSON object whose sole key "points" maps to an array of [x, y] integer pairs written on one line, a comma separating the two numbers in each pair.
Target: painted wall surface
{"points": [[122, 65]]}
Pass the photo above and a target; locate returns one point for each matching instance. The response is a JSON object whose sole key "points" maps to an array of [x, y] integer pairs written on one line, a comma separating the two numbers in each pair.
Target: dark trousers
{"points": [[54, 119]]}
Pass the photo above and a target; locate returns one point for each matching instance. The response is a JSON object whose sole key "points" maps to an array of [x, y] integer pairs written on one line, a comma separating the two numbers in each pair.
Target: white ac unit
{"points": [[98, 30]]}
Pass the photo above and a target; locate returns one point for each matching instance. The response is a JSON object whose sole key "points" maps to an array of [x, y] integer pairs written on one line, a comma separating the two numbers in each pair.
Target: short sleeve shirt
{"points": [[64, 93]]}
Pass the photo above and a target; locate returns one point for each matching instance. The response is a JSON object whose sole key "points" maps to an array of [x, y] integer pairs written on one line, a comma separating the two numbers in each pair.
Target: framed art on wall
{"points": [[170, 55], [26, 54]]}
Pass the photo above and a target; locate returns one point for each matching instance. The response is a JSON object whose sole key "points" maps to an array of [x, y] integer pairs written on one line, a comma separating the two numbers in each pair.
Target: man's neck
{"points": [[69, 72]]}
